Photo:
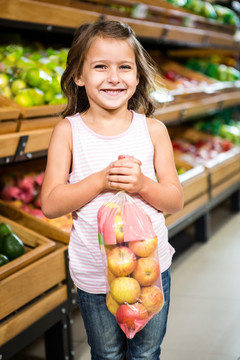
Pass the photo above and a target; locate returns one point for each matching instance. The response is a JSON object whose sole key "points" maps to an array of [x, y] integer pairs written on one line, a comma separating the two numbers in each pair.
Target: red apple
{"points": [[112, 304], [143, 248], [146, 271], [121, 261], [152, 299], [125, 290], [131, 317]]}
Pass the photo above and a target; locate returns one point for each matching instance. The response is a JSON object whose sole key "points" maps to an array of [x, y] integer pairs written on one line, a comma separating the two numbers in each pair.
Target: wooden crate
{"points": [[222, 171], [38, 123], [187, 210], [22, 319], [194, 181], [25, 285], [42, 110], [39, 225], [35, 244], [8, 109], [195, 186], [38, 140]]}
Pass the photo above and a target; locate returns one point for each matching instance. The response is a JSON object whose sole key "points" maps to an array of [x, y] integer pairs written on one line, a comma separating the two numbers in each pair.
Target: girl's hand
{"points": [[125, 174]]}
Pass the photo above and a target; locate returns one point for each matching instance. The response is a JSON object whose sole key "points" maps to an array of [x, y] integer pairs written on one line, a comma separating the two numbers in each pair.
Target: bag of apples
{"points": [[129, 247]]}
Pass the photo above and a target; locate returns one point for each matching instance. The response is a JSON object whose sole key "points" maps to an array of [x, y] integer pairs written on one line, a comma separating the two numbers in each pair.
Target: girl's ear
{"points": [[79, 82]]}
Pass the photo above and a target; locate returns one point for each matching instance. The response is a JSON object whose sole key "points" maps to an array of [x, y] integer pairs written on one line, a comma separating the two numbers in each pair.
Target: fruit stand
{"points": [[45, 307]]}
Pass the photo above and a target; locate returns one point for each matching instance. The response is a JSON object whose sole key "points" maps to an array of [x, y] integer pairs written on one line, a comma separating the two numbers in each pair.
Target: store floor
{"points": [[205, 305]]}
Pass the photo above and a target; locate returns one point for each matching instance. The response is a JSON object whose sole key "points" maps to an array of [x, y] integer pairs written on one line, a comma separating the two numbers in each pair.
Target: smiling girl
{"points": [[107, 82]]}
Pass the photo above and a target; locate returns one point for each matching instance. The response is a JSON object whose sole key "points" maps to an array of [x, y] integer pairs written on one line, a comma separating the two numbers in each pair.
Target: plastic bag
{"points": [[129, 247]]}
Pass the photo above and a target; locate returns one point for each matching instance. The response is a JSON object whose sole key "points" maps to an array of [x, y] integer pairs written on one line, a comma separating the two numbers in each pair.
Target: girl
{"points": [[108, 79]]}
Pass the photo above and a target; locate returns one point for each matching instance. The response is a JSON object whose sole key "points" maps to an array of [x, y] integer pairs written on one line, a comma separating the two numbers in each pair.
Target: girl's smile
{"points": [[109, 73]]}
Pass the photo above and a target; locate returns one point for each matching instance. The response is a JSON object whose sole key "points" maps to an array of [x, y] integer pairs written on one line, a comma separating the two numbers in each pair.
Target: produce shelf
{"points": [[69, 14]]}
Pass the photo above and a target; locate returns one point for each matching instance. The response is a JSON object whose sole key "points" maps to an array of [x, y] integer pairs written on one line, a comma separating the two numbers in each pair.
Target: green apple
{"points": [[24, 98], [37, 96], [3, 80], [6, 92], [18, 85]]}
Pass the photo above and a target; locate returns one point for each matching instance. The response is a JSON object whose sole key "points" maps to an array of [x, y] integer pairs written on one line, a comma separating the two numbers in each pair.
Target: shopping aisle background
{"points": [[205, 305]]}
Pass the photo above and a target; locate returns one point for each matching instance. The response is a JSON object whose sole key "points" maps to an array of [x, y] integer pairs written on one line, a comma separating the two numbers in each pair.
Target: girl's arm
{"points": [[165, 195], [57, 197]]}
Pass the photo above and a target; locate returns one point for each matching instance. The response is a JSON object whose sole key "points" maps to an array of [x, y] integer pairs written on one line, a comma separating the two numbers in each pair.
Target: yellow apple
{"points": [[125, 290], [146, 271], [110, 276], [121, 261], [112, 304], [143, 248], [152, 299]]}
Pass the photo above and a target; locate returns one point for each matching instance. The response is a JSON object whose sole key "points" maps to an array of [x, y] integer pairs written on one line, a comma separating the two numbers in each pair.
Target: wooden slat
{"points": [[37, 246], [224, 170], [225, 185], [33, 280], [23, 319], [186, 211], [38, 123], [195, 187]]}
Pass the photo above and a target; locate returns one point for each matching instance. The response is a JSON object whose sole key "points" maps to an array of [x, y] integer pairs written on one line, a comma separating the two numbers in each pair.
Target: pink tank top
{"points": [[91, 153]]}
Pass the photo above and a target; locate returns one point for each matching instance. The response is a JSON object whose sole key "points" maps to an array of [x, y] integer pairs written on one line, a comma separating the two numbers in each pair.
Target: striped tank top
{"points": [[93, 152]]}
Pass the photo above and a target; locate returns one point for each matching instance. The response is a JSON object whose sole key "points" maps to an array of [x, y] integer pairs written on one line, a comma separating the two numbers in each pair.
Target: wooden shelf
{"points": [[70, 15], [184, 110]]}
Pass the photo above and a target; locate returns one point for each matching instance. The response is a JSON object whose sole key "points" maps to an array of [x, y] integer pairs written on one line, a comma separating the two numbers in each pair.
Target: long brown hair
{"points": [[83, 37]]}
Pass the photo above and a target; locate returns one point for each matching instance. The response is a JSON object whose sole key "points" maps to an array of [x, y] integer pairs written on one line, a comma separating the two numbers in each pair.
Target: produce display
{"points": [[11, 246], [199, 147], [30, 75], [214, 68], [216, 12], [23, 191], [218, 126], [179, 80], [129, 244]]}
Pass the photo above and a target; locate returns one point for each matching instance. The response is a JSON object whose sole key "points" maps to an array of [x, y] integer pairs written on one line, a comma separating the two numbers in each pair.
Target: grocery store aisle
{"points": [[205, 308]]}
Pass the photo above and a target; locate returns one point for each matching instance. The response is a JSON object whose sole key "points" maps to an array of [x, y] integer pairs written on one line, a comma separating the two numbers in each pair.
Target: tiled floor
{"points": [[204, 320]]}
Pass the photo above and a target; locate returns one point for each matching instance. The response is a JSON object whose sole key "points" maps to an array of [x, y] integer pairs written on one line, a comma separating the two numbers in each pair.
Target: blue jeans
{"points": [[105, 337]]}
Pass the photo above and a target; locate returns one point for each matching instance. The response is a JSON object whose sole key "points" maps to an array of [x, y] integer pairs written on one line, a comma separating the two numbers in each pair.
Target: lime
{"points": [[3, 259], [12, 246], [5, 229]]}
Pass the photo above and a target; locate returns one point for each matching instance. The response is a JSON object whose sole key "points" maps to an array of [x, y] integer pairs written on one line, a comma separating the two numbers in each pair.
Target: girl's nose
{"points": [[113, 76]]}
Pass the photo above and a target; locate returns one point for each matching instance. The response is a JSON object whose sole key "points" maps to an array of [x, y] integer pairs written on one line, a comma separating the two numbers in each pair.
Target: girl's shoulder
{"points": [[156, 127]]}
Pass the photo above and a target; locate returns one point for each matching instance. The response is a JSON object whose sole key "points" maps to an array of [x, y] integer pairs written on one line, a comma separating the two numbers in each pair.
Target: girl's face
{"points": [[109, 73]]}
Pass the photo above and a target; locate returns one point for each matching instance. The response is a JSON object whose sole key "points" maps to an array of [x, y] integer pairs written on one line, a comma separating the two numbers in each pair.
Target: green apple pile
{"points": [[31, 75], [133, 275], [216, 12], [229, 130], [219, 71]]}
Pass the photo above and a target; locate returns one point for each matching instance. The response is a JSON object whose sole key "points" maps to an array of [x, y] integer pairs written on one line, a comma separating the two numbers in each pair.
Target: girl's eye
{"points": [[100, 66], [125, 67]]}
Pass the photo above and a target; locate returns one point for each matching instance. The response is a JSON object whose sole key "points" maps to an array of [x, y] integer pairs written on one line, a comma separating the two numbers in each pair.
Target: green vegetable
{"points": [[12, 246]]}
